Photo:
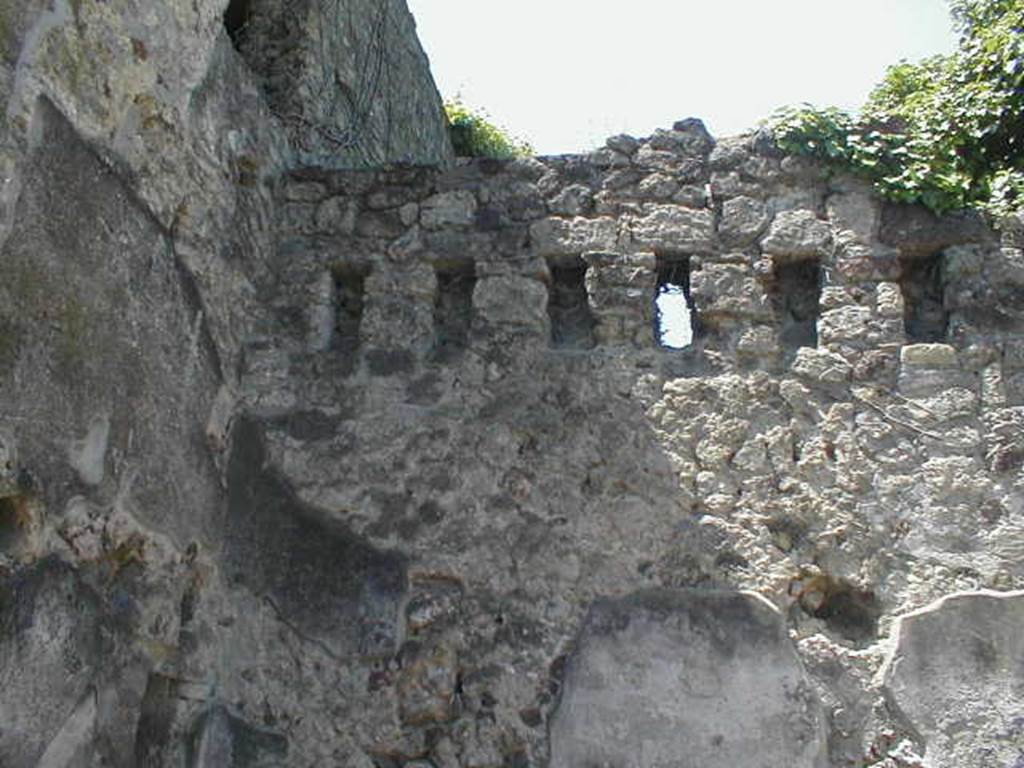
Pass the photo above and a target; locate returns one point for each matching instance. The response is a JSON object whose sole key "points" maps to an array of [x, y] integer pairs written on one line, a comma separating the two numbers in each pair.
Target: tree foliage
{"points": [[475, 135], [947, 132]]}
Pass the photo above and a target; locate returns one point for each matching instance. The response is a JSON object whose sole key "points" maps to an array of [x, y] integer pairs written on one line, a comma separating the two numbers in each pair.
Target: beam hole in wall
{"points": [[922, 283], [675, 317], [796, 297], [349, 294], [572, 324], [453, 306], [236, 18]]}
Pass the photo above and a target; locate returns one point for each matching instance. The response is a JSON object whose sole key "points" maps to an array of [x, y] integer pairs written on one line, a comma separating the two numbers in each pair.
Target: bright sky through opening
{"points": [[566, 74]]}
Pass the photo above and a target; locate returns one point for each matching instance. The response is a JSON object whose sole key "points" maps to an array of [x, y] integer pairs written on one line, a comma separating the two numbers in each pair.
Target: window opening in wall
{"points": [[453, 306], [349, 292], [925, 318], [796, 297], [675, 317], [572, 324], [236, 18]]}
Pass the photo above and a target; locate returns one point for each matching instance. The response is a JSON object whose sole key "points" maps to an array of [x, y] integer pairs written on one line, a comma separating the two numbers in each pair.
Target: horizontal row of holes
{"points": [[795, 298]]}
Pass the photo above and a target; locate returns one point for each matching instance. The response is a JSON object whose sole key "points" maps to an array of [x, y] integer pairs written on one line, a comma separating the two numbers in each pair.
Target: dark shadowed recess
{"points": [[320, 578], [453, 306], [236, 18], [796, 297], [572, 324], [349, 298], [922, 283]]}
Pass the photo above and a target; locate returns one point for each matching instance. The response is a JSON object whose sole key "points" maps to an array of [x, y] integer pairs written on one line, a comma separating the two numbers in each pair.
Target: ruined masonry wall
{"points": [[466, 369]]}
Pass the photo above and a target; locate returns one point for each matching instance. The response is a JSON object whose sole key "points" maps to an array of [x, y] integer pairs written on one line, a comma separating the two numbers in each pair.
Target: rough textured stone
{"points": [[955, 674], [572, 237], [307, 466], [651, 673], [673, 228], [743, 219], [363, 114], [797, 234]]}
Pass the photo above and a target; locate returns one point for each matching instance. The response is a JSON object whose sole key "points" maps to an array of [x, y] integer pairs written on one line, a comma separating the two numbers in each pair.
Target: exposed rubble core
{"points": [[393, 467]]}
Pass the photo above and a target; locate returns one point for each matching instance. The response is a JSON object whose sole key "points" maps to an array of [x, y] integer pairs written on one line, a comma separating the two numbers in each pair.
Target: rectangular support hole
{"points": [[925, 318], [572, 324], [453, 306], [349, 293], [796, 296], [675, 317]]}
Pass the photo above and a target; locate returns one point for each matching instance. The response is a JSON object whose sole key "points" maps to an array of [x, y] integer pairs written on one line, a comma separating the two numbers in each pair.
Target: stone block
{"points": [[448, 209], [928, 356], [856, 210], [821, 365], [743, 219], [956, 674], [571, 237], [889, 300], [512, 301], [729, 289], [673, 228], [845, 325], [660, 674], [796, 235]]}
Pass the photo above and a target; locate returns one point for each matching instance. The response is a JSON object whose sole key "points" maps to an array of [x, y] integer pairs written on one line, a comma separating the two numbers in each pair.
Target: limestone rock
{"points": [[797, 234], [448, 209], [955, 674], [709, 675], [572, 237], [729, 290], [743, 219], [673, 228]]}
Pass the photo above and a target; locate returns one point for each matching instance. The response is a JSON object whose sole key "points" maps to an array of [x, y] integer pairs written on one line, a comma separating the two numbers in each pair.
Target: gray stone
{"points": [[572, 237], [743, 220], [572, 201], [627, 145], [673, 228], [330, 100], [955, 674], [448, 209], [916, 231], [652, 675], [731, 290], [797, 234]]}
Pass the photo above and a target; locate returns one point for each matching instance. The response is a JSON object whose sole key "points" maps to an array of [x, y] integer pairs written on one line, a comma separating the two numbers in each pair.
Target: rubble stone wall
{"points": [[467, 368], [415, 467]]}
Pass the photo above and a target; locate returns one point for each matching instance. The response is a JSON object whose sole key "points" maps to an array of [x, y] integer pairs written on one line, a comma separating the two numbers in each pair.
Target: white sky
{"points": [[566, 74]]}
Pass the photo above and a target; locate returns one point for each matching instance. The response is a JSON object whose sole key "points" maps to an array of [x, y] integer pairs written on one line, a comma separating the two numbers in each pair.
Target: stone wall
{"points": [[466, 367], [347, 78], [415, 467]]}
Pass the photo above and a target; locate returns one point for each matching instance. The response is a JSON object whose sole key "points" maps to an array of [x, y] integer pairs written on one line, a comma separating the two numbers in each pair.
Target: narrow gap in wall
{"points": [[453, 306], [796, 297], [236, 18], [925, 318], [572, 324], [349, 293], [675, 317]]}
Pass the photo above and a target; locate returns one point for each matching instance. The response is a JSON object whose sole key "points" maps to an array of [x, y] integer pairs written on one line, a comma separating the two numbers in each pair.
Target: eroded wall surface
{"points": [[412, 466], [469, 368]]}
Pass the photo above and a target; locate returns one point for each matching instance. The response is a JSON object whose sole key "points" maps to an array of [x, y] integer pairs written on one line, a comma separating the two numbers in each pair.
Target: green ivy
{"points": [[947, 132], [474, 135]]}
